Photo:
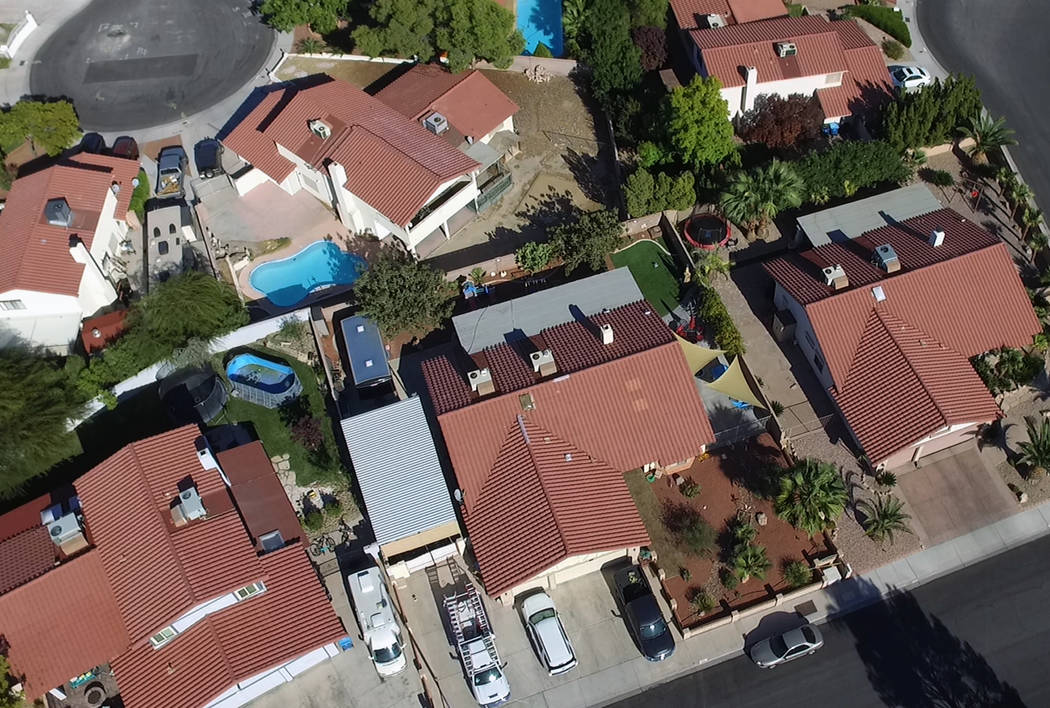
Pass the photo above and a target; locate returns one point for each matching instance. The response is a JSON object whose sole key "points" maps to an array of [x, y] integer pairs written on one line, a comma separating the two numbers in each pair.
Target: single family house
{"points": [[171, 576], [711, 14], [62, 232], [420, 159], [552, 399], [889, 308]]}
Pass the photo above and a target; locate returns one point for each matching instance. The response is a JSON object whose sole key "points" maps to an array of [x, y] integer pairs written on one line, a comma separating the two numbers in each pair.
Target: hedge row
{"points": [[712, 311], [885, 18]]}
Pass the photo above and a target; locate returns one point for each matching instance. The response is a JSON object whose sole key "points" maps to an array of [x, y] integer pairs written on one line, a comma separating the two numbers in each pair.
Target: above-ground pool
{"points": [[323, 264], [540, 21], [262, 381]]}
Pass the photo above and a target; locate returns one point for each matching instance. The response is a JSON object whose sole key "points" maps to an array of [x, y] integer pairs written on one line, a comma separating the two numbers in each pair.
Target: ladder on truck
{"points": [[469, 621]]}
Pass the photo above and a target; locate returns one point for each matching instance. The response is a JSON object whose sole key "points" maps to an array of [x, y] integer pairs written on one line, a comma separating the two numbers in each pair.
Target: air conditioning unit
{"points": [[65, 528], [786, 49], [543, 362], [191, 504], [320, 129], [715, 21], [936, 237], [436, 123], [58, 213], [835, 277], [885, 257], [481, 381]]}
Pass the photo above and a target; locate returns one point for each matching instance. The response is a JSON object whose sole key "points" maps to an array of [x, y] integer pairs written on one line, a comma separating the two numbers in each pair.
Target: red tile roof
{"points": [[61, 624], [292, 618], [110, 326], [691, 13], [25, 556], [258, 493], [392, 163], [611, 417], [470, 102], [823, 48], [899, 367], [36, 254]]}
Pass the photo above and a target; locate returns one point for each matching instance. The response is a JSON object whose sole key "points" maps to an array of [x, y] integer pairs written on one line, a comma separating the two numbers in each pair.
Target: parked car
{"points": [[644, 619], [92, 142], [782, 648], [126, 147], [906, 78], [547, 634], [171, 168], [375, 615], [207, 155]]}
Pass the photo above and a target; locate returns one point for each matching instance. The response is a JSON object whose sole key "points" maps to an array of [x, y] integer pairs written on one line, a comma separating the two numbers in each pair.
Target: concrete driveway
{"points": [[953, 496], [130, 64]]}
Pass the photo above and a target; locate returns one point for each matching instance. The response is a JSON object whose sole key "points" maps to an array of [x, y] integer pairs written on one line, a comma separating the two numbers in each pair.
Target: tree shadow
{"points": [[913, 659]]}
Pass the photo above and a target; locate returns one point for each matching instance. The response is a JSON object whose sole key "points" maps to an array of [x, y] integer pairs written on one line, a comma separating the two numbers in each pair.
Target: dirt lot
{"points": [[358, 73], [725, 477]]}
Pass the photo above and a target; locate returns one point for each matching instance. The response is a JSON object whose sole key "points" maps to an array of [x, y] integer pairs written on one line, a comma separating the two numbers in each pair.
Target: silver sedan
{"points": [[782, 648]]}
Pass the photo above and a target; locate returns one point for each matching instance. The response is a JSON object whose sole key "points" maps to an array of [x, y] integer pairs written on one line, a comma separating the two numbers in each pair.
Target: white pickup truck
{"points": [[375, 615], [476, 646]]}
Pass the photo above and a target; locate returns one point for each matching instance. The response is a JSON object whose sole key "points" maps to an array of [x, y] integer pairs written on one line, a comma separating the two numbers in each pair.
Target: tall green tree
{"points": [[403, 28], [850, 165], [930, 116], [615, 62], [987, 134], [52, 126], [698, 123], [478, 29], [402, 294], [36, 403], [812, 496], [588, 239], [322, 15], [7, 698], [755, 197], [649, 13], [534, 256]]}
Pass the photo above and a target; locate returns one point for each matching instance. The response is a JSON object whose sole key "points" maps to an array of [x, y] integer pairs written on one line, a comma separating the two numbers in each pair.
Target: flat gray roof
{"points": [[397, 468], [531, 314], [851, 220]]}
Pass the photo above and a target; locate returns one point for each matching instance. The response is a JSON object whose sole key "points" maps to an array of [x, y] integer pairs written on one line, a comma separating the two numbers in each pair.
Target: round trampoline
{"points": [[706, 231]]}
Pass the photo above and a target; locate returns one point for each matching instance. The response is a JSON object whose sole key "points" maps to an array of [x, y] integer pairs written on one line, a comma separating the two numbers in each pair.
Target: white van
{"points": [[375, 615]]}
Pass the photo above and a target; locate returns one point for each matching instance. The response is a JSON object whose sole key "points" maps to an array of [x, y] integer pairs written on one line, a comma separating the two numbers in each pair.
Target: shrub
{"points": [[812, 496], [743, 534], [313, 520], [751, 562], [782, 122], [715, 315], [332, 505], [649, 154], [647, 195], [885, 18], [930, 116], [886, 479], [307, 432], [702, 602], [542, 51], [884, 518], [689, 528], [778, 407], [652, 43], [588, 239], [139, 197], [690, 488], [728, 579], [892, 48], [534, 256], [797, 573], [846, 167], [1005, 369]]}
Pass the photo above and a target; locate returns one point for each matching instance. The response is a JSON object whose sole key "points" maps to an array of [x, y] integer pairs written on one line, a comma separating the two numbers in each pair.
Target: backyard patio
{"points": [[731, 484]]}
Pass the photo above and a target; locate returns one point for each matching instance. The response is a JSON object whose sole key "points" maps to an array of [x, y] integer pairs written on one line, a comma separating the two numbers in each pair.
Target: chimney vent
{"points": [[607, 334], [543, 362], [481, 382], [936, 237], [885, 257], [835, 277]]}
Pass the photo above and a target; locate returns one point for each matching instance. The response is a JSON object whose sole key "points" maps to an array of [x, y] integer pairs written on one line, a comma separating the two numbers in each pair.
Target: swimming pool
{"points": [[267, 383], [322, 264], [540, 21]]}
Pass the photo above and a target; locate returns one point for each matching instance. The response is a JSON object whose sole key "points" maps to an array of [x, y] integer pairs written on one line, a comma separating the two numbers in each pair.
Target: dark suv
{"points": [[643, 615], [207, 155]]}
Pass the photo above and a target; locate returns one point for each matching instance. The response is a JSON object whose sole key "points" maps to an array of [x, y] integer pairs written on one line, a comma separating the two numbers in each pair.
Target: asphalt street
{"points": [[1002, 43], [977, 637], [131, 64]]}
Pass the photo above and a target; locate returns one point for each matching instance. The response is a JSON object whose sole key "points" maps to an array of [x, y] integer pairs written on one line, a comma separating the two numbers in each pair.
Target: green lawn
{"points": [[653, 270], [667, 550], [322, 465]]}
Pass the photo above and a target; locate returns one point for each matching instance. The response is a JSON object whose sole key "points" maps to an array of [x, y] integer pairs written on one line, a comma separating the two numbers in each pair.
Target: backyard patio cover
{"points": [[732, 382], [406, 498]]}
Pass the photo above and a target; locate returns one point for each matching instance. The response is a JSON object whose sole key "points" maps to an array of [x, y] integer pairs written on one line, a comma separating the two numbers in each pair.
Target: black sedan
{"points": [[643, 615]]}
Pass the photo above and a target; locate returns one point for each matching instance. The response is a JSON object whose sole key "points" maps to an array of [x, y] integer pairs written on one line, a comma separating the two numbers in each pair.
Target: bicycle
{"points": [[322, 545]]}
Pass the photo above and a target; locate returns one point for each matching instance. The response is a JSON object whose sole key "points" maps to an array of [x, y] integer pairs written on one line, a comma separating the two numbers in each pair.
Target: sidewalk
{"points": [[727, 642], [14, 80]]}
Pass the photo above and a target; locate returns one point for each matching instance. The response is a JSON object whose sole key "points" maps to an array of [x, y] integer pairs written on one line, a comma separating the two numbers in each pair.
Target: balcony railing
{"points": [[493, 190]]}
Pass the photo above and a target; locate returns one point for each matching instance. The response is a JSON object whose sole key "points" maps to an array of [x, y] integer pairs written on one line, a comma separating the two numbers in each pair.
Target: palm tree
{"points": [[751, 562], [1035, 453], [755, 197], [310, 45], [1031, 219], [1020, 193], [885, 517], [987, 134], [812, 496], [573, 13], [709, 265]]}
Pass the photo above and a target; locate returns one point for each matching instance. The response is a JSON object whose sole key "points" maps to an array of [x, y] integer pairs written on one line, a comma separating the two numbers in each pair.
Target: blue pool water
{"points": [[540, 21], [322, 264]]}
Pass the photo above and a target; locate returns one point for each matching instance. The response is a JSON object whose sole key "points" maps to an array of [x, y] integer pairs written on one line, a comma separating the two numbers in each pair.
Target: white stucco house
{"points": [[419, 159], [61, 232], [835, 61]]}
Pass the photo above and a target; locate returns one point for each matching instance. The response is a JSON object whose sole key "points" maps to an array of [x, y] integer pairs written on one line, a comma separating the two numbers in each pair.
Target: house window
{"points": [[12, 305], [249, 590], [162, 248], [156, 232], [163, 637], [171, 228]]}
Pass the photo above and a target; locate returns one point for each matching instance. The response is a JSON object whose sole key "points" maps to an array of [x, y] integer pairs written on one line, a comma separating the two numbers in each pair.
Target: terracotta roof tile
{"points": [[865, 86], [74, 600], [691, 13], [392, 163], [25, 556], [470, 102], [36, 254]]}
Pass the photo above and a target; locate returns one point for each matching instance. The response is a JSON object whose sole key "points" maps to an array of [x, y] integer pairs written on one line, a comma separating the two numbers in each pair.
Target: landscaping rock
{"points": [[761, 518]]}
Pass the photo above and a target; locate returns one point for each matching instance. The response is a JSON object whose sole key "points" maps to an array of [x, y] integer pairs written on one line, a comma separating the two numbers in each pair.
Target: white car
{"points": [[907, 78], [547, 634]]}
